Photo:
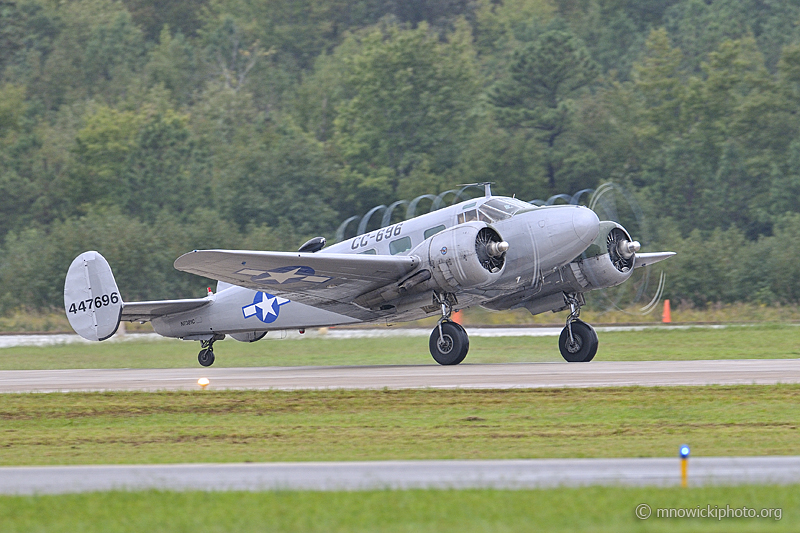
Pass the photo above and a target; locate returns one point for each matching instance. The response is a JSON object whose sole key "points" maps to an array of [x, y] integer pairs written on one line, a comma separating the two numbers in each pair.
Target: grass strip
{"points": [[598, 509], [762, 341], [338, 425]]}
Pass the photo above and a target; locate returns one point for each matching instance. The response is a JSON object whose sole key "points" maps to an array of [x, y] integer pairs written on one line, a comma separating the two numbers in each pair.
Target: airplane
{"points": [[494, 251]]}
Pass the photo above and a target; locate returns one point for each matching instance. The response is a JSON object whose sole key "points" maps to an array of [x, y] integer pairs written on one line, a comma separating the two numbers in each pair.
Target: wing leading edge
{"points": [[326, 281]]}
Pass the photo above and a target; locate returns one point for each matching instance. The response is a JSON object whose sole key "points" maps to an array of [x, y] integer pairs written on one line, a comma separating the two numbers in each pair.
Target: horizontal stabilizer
{"points": [[651, 258], [146, 311]]}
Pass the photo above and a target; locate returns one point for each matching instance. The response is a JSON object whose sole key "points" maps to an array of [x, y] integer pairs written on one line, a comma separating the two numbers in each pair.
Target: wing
{"points": [[326, 281], [146, 311]]}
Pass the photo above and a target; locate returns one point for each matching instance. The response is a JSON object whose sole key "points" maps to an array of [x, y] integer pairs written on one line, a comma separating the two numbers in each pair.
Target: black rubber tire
{"points": [[456, 344], [206, 357], [465, 341], [586, 343]]}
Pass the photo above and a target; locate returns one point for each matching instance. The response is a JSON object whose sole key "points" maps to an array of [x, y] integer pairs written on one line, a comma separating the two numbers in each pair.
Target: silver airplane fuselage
{"points": [[541, 240]]}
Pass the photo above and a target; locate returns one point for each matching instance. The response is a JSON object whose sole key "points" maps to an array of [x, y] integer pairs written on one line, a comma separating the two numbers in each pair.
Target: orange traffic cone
{"points": [[666, 318], [456, 317]]}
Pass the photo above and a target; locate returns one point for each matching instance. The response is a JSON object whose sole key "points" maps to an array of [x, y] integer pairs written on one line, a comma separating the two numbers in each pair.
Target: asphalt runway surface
{"points": [[503, 474], [50, 339], [377, 475], [474, 376]]}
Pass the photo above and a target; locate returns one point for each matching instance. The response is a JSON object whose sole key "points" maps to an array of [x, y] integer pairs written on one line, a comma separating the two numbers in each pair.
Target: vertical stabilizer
{"points": [[91, 297]]}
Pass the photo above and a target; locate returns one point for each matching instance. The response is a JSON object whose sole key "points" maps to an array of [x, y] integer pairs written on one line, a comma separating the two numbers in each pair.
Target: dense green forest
{"points": [[146, 129]]}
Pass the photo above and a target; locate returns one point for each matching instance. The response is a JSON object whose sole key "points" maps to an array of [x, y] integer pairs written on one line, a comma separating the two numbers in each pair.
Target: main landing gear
{"points": [[206, 355], [449, 342], [578, 341]]}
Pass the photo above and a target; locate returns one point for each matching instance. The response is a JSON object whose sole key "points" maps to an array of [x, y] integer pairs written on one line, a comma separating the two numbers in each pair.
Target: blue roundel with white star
{"points": [[284, 275], [265, 307]]}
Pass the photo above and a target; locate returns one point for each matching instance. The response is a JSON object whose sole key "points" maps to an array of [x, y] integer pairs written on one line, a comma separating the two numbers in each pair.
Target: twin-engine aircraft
{"points": [[494, 251]]}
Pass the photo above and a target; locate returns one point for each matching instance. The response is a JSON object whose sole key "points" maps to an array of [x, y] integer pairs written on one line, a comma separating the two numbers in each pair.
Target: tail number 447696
{"points": [[96, 302]]}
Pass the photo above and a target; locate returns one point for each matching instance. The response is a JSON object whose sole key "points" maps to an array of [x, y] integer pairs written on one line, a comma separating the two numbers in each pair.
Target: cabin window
{"points": [[400, 245], [371, 251], [468, 216], [430, 232]]}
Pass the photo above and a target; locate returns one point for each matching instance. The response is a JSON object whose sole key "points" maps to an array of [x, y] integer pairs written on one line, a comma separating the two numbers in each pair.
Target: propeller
{"points": [[641, 294]]}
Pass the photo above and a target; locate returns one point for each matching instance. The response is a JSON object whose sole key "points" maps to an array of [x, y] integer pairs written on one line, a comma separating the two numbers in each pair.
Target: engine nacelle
{"points": [[466, 256], [249, 336], [608, 261]]}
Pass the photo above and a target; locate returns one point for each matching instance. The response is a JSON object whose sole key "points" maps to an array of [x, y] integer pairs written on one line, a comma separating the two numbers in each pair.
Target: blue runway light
{"points": [[684, 451]]}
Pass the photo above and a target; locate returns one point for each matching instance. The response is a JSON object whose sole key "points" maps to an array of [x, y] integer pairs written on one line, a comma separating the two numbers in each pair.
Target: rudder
{"points": [[91, 297]]}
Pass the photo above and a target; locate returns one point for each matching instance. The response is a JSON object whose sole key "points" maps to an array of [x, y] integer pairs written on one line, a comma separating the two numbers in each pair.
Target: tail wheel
{"points": [[582, 347], [451, 347]]}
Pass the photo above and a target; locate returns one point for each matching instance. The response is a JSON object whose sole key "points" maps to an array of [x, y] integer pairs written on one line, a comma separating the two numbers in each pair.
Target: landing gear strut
{"points": [[449, 342], [206, 355], [578, 341]]}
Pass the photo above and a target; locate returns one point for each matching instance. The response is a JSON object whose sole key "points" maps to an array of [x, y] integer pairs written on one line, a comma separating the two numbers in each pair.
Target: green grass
{"points": [[739, 342], [582, 509], [238, 426]]}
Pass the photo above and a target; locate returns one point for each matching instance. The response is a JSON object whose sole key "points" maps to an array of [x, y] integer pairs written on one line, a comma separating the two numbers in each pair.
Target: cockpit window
{"points": [[500, 209], [468, 216]]}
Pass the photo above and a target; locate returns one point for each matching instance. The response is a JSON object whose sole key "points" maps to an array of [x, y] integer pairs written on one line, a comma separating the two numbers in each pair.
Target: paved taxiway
{"points": [[485, 376], [505, 474]]}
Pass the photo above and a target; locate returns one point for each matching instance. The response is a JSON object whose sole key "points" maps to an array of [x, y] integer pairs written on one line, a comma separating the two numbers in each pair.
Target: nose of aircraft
{"points": [[586, 224]]}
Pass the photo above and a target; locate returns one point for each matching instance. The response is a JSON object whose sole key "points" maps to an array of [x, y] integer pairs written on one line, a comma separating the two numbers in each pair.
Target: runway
{"points": [[477, 376], [50, 339], [377, 475]]}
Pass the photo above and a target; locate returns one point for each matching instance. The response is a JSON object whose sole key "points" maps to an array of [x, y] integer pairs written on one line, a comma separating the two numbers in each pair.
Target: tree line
{"points": [[146, 129]]}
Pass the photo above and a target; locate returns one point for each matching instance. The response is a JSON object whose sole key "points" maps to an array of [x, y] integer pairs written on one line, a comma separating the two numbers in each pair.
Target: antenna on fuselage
{"points": [[487, 187]]}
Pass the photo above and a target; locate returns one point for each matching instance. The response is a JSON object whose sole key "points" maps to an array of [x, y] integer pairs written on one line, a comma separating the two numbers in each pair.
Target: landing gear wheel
{"points": [[452, 346], [206, 357], [583, 345]]}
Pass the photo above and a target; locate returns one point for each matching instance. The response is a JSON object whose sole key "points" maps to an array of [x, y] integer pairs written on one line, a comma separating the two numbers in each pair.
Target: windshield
{"points": [[501, 208]]}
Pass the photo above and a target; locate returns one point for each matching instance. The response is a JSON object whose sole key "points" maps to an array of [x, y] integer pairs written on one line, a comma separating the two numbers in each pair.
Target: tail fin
{"points": [[91, 297]]}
